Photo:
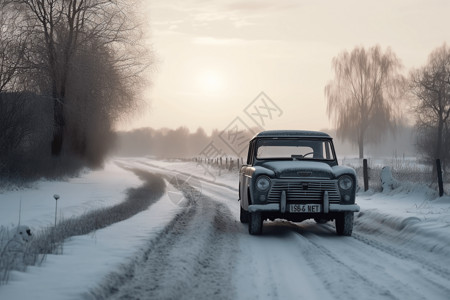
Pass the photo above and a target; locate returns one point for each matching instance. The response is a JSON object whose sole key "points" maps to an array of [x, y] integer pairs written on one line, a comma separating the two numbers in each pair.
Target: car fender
{"points": [[343, 170]]}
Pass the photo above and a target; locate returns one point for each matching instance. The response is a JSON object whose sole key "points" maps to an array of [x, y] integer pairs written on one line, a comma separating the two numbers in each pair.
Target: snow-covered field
{"points": [[399, 249]]}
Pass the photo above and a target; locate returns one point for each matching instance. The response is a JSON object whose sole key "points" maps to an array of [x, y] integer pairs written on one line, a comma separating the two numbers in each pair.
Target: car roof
{"points": [[292, 133]]}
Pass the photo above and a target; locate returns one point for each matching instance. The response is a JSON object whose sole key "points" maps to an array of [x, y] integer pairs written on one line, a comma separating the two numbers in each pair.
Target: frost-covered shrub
{"points": [[388, 183], [14, 249]]}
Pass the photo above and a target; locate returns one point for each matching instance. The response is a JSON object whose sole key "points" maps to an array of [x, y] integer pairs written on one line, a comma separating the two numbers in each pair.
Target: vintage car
{"points": [[294, 175]]}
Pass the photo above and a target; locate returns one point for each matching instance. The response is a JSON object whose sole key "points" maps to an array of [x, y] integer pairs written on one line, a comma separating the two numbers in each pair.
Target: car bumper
{"points": [[276, 207]]}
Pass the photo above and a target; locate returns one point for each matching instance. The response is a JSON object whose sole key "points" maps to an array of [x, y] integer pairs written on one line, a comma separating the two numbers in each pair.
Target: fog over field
{"points": [[181, 143]]}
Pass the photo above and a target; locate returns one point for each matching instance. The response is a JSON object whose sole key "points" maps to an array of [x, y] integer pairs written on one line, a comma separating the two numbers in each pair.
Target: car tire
{"points": [[344, 223], [255, 223], [244, 216]]}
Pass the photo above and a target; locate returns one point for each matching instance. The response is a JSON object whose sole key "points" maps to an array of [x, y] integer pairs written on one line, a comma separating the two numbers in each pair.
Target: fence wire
{"points": [[402, 171]]}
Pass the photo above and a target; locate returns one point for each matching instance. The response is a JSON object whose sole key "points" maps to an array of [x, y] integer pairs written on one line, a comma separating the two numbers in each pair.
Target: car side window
{"points": [[327, 150], [251, 151]]}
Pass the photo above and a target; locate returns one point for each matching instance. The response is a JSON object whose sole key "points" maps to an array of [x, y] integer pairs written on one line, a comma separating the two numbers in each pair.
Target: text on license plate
{"points": [[304, 208]]}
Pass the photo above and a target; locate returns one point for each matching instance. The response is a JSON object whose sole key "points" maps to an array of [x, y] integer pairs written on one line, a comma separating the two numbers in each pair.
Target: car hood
{"points": [[289, 169]]}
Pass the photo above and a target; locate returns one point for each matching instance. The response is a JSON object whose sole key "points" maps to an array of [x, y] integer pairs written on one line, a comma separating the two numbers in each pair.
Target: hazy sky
{"points": [[215, 57]]}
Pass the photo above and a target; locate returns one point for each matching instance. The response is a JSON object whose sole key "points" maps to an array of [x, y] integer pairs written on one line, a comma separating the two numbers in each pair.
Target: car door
{"points": [[245, 175]]}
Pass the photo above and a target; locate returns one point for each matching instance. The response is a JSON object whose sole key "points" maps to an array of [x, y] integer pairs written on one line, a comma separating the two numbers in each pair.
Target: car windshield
{"points": [[295, 149]]}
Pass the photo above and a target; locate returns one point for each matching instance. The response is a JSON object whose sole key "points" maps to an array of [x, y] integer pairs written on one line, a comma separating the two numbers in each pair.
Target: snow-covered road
{"points": [[192, 258], [206, 252], [196, 248]]}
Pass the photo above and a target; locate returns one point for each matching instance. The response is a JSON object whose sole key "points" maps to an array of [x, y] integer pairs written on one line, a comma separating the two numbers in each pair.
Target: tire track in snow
{"points": [[402, 254], [379, 275], [395, 237], [338, 278], [390, 237], [348, 276], [190, 175], [193, 258]]}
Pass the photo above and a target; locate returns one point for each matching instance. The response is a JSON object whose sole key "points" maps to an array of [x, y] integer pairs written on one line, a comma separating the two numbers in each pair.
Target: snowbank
{"points": [[90, 190], [88, 259]]}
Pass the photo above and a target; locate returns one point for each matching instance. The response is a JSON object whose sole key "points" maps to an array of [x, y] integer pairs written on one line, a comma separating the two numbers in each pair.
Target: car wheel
{"points": [[344, 223], [244, 216], [255, 223]]}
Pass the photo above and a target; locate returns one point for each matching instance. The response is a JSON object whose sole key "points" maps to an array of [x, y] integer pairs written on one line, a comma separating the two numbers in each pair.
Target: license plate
{"points": [[304, 208]]}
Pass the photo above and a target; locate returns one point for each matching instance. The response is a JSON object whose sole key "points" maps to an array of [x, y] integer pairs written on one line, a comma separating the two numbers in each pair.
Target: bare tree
{"points": [[431, 87], [98, 94], [362, 98], [12, 47], [67, 27], [14, 127], [69, 69]]}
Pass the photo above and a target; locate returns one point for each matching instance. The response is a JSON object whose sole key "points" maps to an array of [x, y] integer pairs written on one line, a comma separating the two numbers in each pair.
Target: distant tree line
{"points": [[162, 143], [69, 69], [369, 95], [177, 143], [181, 143]]}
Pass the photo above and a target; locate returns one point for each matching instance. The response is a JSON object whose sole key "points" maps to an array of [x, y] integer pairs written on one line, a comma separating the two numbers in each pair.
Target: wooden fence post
{"points": [[366, 175], [439, 175]]}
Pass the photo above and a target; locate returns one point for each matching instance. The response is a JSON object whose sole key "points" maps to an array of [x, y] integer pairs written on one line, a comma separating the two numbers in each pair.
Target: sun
{"points": [[210, 82]]}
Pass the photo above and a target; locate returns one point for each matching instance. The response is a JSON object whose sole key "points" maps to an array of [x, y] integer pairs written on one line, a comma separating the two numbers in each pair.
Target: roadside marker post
{"points": [[366, 175], [439, 174]]}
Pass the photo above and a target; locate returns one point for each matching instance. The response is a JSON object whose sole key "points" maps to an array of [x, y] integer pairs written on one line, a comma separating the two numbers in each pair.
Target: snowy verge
{"points": [[91, 190], [409, 215], [413, 232], [22, 248], [88, 259]]}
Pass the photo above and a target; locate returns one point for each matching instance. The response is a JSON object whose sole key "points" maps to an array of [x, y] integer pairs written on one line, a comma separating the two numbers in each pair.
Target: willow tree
{"points": [[362, 98]]}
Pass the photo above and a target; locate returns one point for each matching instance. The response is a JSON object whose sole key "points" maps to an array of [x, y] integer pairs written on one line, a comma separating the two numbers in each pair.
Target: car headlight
{"points": [[345, 182], [263, 183]]}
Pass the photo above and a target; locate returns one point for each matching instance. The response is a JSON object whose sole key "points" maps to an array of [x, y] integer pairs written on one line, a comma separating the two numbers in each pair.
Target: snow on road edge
{"points": [[88, 259]]}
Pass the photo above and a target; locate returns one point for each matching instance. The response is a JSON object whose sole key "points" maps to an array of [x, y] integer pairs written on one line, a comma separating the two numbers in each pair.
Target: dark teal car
{"points": [[294, 175]]}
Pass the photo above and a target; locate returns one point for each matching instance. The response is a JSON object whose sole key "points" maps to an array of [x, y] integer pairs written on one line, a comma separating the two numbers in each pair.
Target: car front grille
{"points": [[304, 190]]}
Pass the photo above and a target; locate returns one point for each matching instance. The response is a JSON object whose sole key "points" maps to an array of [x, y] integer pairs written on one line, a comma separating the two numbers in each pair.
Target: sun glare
{"points": [[210, 82]]}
